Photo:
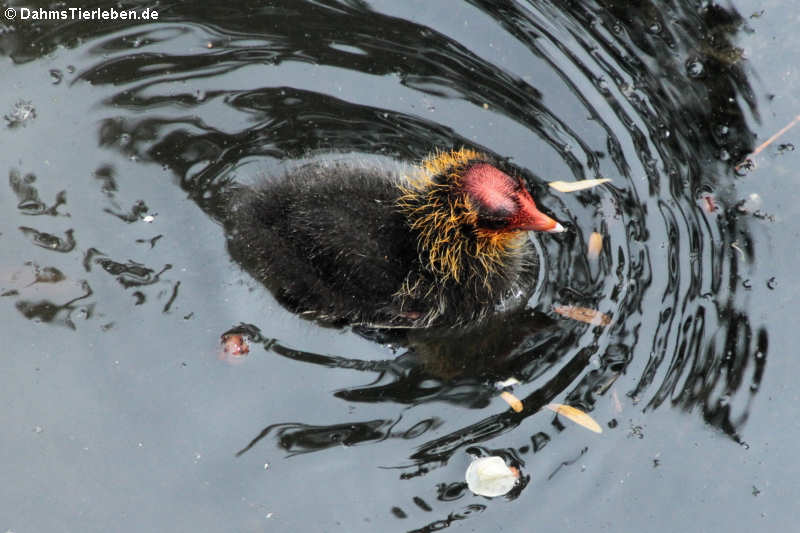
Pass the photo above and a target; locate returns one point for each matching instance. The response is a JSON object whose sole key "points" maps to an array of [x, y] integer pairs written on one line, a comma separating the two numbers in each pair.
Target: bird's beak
{"points": [[531, 219], [558, 228]]}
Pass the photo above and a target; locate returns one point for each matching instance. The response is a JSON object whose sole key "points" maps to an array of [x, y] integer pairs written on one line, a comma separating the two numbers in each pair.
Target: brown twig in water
{"points": [[769, 141]]}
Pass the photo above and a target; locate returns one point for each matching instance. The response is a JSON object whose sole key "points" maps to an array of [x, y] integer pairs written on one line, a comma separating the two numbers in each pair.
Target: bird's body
{"points": [[348, 243]]}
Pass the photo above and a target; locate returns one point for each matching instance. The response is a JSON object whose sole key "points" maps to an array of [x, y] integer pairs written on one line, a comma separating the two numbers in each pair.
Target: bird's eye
{"points": [[492, 223], [495, 217]]}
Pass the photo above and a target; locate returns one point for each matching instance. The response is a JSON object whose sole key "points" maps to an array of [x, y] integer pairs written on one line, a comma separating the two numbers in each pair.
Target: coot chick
{"points": [[346, 243]]}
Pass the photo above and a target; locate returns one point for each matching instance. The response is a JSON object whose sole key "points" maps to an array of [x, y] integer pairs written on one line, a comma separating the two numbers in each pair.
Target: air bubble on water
{"points": [[627, 89], [752, 203], [772, 283], [694, 68]]}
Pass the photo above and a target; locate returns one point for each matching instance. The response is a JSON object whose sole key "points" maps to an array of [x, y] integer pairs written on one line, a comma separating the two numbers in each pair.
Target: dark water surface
{"points": [[120, 139]]}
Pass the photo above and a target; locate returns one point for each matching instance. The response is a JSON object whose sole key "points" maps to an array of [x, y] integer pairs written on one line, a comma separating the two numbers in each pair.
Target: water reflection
{"points": [[661, 94]]}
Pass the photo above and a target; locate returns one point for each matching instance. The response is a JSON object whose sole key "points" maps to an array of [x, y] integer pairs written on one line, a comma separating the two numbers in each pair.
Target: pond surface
{"points": [[120, 141]]}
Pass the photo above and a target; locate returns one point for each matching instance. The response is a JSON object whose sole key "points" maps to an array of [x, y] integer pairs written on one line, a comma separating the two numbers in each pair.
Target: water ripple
{"points": [[638, 92]]}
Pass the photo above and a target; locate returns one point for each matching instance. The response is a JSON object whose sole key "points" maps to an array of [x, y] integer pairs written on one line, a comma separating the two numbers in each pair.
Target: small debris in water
{"points": [[490, 476], [617, 403], [772, 283], [636, 431], [573, 186], [234, 348], [56, 75], [507, 383], [576, 415], [709, 204], [22, 112], [583, 314], [46, 274], [513, 401], [399, 513], [595, 245], [235, 345], [748, 161]]}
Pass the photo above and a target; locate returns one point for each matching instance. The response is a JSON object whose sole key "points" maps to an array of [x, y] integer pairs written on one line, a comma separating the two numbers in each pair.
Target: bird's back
{"points": [[327, 239]]}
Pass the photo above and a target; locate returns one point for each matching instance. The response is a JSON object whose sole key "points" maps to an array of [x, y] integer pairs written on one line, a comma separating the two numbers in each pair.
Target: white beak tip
{"points": [[557, 229]]}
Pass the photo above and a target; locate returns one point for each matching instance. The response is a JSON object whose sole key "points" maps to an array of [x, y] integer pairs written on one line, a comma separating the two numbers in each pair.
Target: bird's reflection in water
{"points": [[458, 366]]}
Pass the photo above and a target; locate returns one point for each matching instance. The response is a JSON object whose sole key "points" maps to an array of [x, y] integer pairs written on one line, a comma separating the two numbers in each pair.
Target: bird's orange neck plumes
{"points": [[471, 217]]}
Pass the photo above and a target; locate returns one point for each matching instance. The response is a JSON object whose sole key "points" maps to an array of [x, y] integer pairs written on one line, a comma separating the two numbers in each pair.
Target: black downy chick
{"points": [[347, 244]]}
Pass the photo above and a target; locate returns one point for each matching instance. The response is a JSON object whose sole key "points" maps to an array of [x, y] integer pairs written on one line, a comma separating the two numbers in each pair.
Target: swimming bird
{"points": [[445, 244]]}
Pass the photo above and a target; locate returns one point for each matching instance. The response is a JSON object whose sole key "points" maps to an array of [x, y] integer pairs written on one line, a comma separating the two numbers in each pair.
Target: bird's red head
{"points": [[467, 212], [503, 203]]}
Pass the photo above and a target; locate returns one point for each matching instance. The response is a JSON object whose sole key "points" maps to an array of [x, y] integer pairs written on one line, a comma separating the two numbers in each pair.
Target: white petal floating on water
{"points": [[572, 186], [490, 476], [576, 415]]}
